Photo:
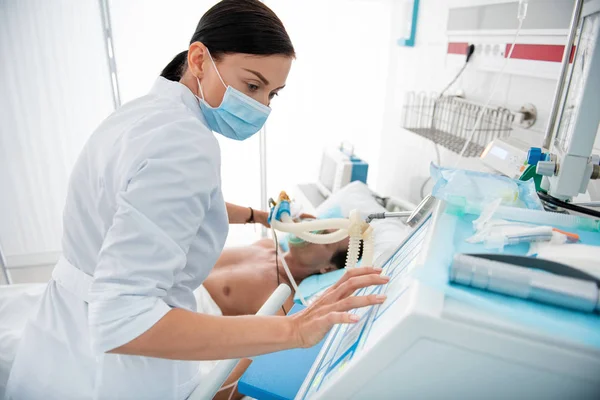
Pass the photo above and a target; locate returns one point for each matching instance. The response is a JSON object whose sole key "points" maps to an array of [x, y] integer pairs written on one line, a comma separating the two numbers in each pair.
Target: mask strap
{"points": [[215, 65], [200, 89]]}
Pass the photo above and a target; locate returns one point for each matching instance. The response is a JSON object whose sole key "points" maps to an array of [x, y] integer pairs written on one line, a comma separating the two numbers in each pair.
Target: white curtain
{"points": [[55, 91]]}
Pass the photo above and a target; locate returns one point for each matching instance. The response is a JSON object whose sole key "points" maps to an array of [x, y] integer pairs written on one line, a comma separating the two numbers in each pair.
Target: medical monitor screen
{"points": [[580, 72], [328, 170], [346, 341], [499, 152]]}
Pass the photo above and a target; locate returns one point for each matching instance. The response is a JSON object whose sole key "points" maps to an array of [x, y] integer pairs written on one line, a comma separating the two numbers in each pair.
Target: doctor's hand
{"points": [[262, 217], [312, 324]]}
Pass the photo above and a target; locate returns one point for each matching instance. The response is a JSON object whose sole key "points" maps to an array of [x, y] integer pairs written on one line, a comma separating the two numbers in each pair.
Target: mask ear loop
{"points": [[218, 74], [200, 89], [215, 66]]}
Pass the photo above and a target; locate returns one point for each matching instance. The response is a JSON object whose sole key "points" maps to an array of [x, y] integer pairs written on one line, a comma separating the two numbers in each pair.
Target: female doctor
{"points": [[145, 221]]}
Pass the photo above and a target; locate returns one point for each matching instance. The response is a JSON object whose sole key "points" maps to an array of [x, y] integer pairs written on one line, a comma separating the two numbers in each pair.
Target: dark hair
{"points": [[339, 258], [236, 26]]}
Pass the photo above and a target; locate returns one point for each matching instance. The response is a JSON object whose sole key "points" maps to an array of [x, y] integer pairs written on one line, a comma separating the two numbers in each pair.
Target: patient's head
{"points": [[320, 258]]}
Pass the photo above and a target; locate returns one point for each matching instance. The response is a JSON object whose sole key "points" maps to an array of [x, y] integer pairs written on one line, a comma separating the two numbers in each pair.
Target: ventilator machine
{"points": [[439, 334]]}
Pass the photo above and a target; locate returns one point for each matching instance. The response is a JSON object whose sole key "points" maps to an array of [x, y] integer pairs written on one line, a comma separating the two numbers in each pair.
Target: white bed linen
{"points": [[18, 302], [388, 233]]}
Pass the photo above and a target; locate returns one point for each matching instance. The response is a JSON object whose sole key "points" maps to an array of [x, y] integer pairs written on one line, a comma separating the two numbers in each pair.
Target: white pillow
{"points": [[355, 195], [388, 233]]}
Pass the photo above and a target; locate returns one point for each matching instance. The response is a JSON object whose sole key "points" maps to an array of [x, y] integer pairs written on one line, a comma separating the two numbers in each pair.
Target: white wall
{"points": [[335, 91], [426, 67]]}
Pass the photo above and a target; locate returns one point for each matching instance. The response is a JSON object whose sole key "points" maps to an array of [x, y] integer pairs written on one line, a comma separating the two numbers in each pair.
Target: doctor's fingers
{"points": [[338, 317], [353, 284], [355, 272], [352, 302], [312, 328]]}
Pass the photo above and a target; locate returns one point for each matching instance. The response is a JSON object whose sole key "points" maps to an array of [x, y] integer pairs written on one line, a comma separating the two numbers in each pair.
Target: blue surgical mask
{"points": [[238, 117]]}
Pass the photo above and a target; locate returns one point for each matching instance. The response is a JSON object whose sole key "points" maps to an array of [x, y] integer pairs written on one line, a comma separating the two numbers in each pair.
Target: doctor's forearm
{"points": [[185, 335], [237, 214]]}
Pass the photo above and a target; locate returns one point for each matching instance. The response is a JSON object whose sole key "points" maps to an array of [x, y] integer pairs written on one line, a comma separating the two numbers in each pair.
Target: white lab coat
{"points": [[144, 223]]}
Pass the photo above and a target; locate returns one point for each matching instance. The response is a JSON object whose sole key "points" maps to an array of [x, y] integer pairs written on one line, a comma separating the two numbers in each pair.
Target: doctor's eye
{"points": [[252, 87], [272, 95]]}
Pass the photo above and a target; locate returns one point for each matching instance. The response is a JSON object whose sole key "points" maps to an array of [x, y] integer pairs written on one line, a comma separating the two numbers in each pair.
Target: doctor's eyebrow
{"points": [[259, 75]]}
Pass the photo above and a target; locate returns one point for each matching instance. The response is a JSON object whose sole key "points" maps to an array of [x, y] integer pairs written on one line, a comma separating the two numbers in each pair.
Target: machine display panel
{"points": [[345, 341]]}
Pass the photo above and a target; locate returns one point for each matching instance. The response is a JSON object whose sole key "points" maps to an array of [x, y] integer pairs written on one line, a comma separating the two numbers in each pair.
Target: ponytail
{"points": [[236, 26], [176, 67]]}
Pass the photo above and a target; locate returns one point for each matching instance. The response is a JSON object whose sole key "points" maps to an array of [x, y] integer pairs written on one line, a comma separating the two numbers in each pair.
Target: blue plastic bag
{"points": [[477, 189]]}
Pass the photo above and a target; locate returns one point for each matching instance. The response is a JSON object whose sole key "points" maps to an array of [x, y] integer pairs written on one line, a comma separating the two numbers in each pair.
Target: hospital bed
{"points": [[18, 302], [433, 339]]}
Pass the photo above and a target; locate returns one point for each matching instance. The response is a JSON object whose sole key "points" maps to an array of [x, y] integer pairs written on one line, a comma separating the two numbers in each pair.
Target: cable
{"points": [[592, 204], [233, 390], [453, 80], [227, 386], [288, 273], [439, 163], [382, 201], [277, 267], [493, 92], [470, 51], [582, 210]]}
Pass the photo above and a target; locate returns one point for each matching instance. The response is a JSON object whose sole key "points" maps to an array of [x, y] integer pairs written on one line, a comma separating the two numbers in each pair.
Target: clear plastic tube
{"points": [[533, 217], [287, 270], [493, 92], [522, 10], [547, 218]]}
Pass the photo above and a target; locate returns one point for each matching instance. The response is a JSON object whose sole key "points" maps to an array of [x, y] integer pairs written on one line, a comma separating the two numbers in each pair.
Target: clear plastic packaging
{"points": [[522, 10], [548, 218], [538, 217], [478, 189]]}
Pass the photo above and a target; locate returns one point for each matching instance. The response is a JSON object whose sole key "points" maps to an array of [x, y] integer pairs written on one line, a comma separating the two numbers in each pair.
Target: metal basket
{"points": [[448, 121]]}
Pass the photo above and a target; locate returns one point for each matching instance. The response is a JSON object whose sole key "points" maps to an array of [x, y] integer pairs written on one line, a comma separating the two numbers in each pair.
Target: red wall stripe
{"points": [[533, 52], [457, 48], [539, 52]]}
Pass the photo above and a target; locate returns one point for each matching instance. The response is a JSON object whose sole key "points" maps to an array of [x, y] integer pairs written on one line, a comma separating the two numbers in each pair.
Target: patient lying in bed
{"points": [[240, 283], [243, 278]]}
